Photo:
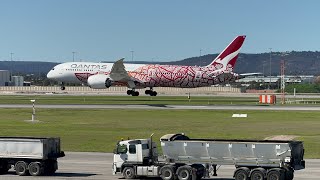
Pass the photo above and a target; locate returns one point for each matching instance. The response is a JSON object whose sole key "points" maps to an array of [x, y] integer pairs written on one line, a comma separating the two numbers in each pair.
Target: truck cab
{"points": [[133, 152]]}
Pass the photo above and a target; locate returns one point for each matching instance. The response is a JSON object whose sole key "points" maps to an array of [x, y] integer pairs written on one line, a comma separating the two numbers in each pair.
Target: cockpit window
{"points": [[52, 69]]}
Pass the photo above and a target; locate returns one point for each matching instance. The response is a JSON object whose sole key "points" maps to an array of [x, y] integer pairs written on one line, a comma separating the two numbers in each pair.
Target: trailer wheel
{"points": [[289, 173], [275, 174], [21, 168], [4, 168], [35, 169], [184, 173], [50, 167], [167, 173], [129, 173], [241, 174], [258, 174]]}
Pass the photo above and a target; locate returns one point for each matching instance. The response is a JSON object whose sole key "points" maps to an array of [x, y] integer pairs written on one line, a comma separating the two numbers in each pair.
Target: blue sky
{"points": [[167, 30]]}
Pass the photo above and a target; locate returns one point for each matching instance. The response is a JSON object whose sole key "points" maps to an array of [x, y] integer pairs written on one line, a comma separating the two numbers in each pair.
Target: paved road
{"points": [[216, 107], [98, 166]]}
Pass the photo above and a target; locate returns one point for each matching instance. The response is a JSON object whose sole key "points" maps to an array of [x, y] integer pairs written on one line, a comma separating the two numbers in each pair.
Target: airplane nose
{"points": [[50, 75]]}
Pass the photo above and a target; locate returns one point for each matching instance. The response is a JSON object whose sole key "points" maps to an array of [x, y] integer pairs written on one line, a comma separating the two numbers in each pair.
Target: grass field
{"points": [[99, 130], [159, 100]]}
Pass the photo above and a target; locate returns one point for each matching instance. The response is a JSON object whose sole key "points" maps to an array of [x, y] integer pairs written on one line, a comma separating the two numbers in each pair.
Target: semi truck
{"points": [[29, 155], [189, 159]]}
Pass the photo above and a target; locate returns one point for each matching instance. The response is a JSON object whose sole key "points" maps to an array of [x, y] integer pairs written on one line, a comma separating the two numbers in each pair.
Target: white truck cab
{"points": [[133, 152]]}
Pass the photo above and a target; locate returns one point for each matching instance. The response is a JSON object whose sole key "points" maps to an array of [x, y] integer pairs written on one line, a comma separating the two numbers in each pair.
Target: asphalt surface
{"points": [[216, 107], [98, 165], [76, 165]]}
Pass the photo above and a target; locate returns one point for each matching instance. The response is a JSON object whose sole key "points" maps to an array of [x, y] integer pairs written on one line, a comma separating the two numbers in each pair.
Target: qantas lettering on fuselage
{"points": [[88, 66]]}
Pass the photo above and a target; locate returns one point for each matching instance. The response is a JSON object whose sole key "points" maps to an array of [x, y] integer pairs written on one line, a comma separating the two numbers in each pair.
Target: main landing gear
{"points": [[151, 92], [133, 92], [62, 87]]}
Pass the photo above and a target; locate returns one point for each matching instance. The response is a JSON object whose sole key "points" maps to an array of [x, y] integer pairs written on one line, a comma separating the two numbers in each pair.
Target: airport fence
{"points": [[116, 90]]}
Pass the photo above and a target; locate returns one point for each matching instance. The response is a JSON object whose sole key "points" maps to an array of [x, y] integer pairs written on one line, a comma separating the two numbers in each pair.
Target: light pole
{"points": [[73, 56], [132, 55], [200, 58], [270, 68], [11, 73]]}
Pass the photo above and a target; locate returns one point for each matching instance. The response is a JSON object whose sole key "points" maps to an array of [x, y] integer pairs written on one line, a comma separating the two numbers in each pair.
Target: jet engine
{"points": [[100, 81]]}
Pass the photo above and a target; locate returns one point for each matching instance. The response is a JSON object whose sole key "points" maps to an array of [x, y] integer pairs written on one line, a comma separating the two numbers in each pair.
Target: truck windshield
{"points": [[121, 149]]}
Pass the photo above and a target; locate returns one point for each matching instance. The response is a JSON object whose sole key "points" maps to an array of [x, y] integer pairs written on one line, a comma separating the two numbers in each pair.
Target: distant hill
{"points": [[305, 62]]}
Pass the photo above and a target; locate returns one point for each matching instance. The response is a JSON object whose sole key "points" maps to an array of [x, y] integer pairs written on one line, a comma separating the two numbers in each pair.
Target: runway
{"points": [[166, 107], [79, 165]]}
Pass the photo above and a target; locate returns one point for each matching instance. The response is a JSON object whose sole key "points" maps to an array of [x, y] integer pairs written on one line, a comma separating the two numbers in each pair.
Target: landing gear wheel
{"points": [[135, 93], [35, 169], [129, 92], [153, 93], [21, 168], [128, 173], [148, 92]]}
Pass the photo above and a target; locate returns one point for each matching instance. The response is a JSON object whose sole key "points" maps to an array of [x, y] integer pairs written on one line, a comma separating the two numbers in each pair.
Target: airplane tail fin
{"points": [[228, 57]]}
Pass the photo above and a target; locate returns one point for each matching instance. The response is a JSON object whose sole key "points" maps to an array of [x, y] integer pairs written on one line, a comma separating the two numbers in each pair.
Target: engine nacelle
{"points": [[100, 81]]}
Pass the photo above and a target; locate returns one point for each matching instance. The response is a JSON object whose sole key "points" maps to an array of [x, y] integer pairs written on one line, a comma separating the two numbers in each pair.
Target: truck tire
{"points": [[275, 174], [184, 173], [129, 173], [21, 168], [200, 170], [35, 168], [241, 174], [167, 173], [4, 168], [50, 167], [258, 174], [289, 174]]}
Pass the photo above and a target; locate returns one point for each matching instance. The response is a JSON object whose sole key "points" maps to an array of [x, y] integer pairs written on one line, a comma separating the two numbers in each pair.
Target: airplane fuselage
{"points": [[148, 75]]}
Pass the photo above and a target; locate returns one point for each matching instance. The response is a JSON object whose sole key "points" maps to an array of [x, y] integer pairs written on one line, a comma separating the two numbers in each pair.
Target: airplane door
{"points": [[198, 75], [151, 73]]}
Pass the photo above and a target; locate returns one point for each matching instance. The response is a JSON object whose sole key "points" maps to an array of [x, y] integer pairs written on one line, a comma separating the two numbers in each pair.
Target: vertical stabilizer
{"points": [[228, 57]]}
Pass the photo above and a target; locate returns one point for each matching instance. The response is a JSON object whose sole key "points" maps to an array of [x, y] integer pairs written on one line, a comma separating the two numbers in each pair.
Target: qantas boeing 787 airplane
{"points": [[137, 76]]}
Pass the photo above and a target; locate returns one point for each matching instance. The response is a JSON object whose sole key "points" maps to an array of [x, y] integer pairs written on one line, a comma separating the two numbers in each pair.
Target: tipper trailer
{"points": [[29, 155], [188, 159]]}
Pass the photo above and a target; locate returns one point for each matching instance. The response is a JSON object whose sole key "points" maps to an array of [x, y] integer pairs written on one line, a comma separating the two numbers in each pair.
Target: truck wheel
{"points": [[129, 173], [275, 174], [289, 173], [4, 168], [35, 169], [51, 167], [241, 174], [258, 174], [21, 168], [184, 173], [167, 173]]}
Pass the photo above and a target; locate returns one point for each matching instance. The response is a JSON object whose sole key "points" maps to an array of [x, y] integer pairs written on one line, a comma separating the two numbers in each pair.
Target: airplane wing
{"points": [[118, 73]]}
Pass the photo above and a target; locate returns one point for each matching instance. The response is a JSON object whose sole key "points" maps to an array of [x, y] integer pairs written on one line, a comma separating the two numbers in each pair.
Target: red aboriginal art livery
{"points": [[135, 76]]}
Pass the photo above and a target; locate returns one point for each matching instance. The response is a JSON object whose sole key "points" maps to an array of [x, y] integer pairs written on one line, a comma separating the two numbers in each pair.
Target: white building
{"points": [[4, 78], [17, 80]]}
